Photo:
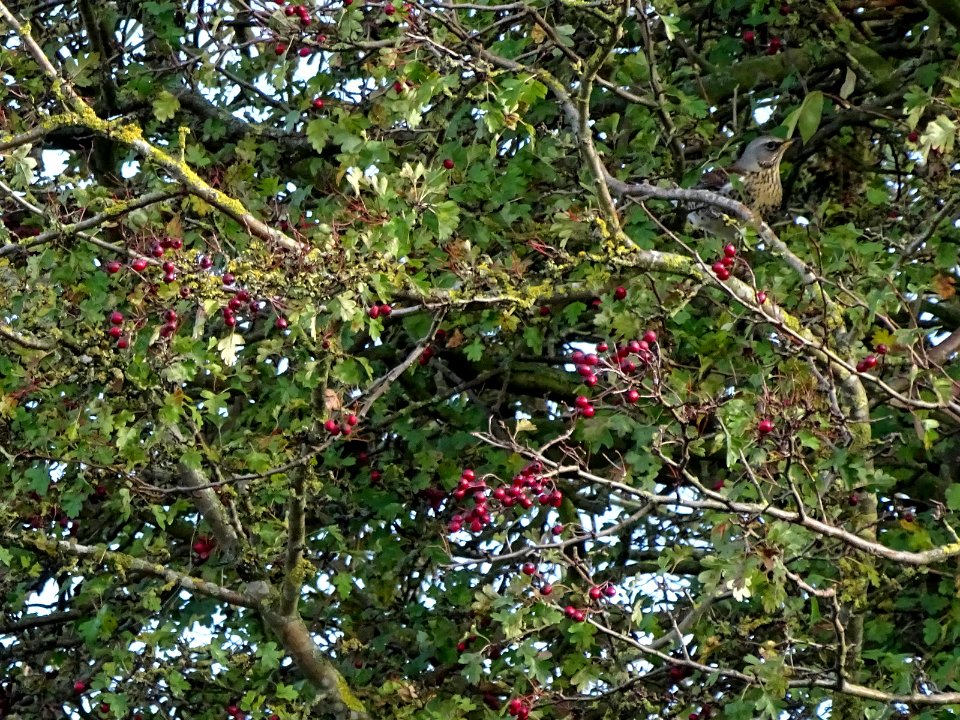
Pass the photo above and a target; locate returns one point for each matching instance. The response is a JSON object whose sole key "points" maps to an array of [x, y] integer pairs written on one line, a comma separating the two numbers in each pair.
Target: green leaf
{"points": [[953, 496], [808, 119]]}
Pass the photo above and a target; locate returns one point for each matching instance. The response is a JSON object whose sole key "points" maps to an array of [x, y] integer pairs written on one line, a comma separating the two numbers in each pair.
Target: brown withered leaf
{"points": [[944, 286], [331, 401], [455, 339], [174, 228]]}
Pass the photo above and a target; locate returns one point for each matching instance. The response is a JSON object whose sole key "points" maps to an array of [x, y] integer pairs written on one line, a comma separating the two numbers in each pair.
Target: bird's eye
{"points": [[773, 145]]}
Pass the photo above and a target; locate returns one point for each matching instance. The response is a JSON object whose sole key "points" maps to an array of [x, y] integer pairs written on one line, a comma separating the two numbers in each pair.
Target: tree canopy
{"points": [[357, 360]]}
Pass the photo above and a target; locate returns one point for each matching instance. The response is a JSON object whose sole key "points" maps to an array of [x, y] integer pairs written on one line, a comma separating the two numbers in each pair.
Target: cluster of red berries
{"points": [[380, 309], [721, 268], [519, 708], [343, 428], [53, 514], [598, 592], [868, 363], [575, 614], [202, 547], [524, 485], [774, 45], [116, 331], [429, 351], [619, 359], [300, 11], [235, 712], [169, 326]]}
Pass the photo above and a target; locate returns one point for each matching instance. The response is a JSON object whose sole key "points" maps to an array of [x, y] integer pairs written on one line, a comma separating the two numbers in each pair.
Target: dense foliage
{"points": [[357, 360]]}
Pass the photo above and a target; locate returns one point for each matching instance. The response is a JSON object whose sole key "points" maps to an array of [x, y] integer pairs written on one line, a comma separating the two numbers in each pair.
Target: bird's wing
{"points": [[718, 180]]}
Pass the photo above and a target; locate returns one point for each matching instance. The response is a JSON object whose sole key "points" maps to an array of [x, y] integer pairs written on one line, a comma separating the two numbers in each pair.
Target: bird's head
{"points": [[762, 153]]}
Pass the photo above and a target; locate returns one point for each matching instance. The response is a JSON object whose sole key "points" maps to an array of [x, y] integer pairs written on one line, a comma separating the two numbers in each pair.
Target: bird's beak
{"points": [[786, 144]]}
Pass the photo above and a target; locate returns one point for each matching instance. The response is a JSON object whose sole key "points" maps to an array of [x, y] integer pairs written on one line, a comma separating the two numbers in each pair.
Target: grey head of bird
{"points": [[763, 153]]}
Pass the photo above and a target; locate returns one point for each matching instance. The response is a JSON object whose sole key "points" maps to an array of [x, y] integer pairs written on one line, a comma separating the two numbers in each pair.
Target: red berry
{"points": [[140, 264], [649, 337], [205, 262], [281, 322], [578, 616], [620, 293], [774, 46], [352, 419], [557, 529], [280, 48], [176, 243], [116, 317], [588, 411], [529, 569], [913, 136], [728, 262], [374, 312], [169, 277], [448, 163], [113, 266], [331, 426], [229, 320], [730, 251], [389, 9], [870, 362], [632, 396], [761, 297], [290, 10], [123, 343], [79, 686], [304, 51], [228, 279], [610, 591], [765, 426], [724, 274], [881, 349], [156, 250], [596, 593], [318, 103], [115, 331], [582, 401], [718, 267], [785, 9], [385, 310], [749, 36], [544, 310]]}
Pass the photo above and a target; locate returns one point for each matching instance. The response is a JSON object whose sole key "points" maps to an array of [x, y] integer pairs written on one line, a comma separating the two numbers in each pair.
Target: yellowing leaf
{"points": [[883, 337], [525, 425], [228, 348]]}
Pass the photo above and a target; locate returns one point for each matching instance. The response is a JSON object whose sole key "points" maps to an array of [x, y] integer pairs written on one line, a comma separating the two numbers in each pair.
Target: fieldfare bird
{"points": [[754, 179]]}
